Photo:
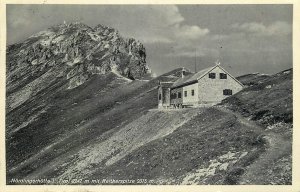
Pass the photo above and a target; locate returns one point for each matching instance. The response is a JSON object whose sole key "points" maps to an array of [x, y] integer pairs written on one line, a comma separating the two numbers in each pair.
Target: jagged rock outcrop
{"points": [[72, 52]]}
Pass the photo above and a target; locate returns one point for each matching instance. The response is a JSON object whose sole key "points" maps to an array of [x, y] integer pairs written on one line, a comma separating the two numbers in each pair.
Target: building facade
{"points": [[206, 87]]}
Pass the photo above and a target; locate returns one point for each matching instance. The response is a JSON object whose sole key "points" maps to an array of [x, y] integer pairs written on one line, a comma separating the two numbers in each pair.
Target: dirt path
{"points": [[277, 147], [242, 120]]}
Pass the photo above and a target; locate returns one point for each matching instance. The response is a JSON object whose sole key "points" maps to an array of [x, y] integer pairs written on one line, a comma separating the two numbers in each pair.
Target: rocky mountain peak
{"points": [[73, 52]]}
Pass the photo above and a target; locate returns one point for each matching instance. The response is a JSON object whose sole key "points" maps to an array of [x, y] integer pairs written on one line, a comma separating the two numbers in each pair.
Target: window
{"points": [[212, 75], [193, 92], [185, 93], [159, 96], [227, 92], [223, 76], [179, 94], [173, 96]]}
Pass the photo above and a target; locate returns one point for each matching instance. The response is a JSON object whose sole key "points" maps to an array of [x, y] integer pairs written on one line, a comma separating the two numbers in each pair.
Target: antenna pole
{"points": [[195, 60]]}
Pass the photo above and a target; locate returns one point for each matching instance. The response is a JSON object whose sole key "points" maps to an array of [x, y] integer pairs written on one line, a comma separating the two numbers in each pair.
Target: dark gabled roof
{"points": [[193, 78], [183, 80]]}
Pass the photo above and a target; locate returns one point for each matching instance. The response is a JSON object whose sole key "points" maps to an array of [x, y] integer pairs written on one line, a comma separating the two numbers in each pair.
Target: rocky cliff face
{"points": [[73, 53]]}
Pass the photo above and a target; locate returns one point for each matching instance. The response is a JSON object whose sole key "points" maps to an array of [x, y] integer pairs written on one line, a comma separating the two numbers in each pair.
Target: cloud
{"points": [[149, 23], [275, 28], [161, 24], [189, 32], [194, 50], [251, 38]]}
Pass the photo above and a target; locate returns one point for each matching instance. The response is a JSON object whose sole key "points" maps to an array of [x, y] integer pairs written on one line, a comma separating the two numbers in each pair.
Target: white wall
{"points": [[190, 99], [211, 90]]}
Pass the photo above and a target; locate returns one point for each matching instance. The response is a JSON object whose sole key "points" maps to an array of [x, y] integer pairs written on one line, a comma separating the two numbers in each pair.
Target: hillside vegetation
{"points": [[95, 109], [267, 99], [231, 143], [109, 133]]}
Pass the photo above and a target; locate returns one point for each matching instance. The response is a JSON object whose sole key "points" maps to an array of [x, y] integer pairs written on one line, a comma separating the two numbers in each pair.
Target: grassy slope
{"points": [[268, 99], [102, 153], [73, 117], [269, 102], [191, 154], [98, 131]]}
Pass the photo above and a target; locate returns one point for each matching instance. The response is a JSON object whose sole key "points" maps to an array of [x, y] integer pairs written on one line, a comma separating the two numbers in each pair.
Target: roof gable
{"points": [[196, 76], [227, 74]]}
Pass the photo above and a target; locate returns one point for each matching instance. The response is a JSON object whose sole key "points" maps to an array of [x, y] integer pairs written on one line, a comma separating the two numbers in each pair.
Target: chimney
{"points": [[183, 72]]}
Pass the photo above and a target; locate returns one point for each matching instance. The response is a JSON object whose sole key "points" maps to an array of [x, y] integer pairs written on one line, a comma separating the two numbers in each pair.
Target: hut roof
{"points": [[191, 78]]}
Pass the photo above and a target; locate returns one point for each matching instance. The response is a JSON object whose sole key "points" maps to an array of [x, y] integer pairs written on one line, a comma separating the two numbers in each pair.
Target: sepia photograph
{"points": [[149, 94]]}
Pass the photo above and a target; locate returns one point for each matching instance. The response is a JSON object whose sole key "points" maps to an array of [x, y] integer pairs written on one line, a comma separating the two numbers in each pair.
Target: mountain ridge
{"points": [[73, 51]]}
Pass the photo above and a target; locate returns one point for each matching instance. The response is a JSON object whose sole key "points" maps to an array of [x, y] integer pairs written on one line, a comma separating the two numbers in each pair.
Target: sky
{"points": [[244, 38]]}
